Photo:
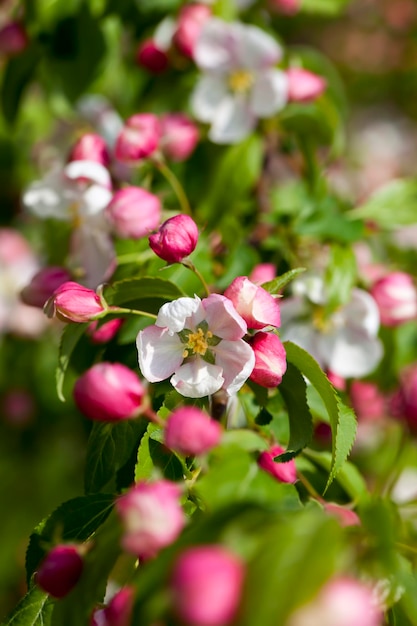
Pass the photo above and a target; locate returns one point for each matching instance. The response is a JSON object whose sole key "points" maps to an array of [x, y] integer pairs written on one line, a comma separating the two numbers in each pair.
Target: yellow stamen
{"points": [[240, 81], [197, 342], [76, 219]]}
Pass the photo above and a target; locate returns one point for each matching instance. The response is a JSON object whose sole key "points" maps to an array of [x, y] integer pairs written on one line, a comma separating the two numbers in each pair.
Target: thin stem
{"points": [[190, 265], [175, 184], [116, 309], [309, 487], [153, 417], [135, 257]]}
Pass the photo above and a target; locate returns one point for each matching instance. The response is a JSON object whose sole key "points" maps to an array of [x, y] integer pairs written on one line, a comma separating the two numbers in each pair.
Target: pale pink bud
{"points": [[396, 297], [270, 359], [286, 7], [152, 517], [105, 332], [257, 307], [134, 212], [345, 517], [175, 239], [13, 247], [303, 85], [109, 392], [118, 612], [151, 57], [90, 147], [337, 381], [190, 22], [13, 38], [367, 400], [283, 472], [207, 585], [139, 137], [43, 285], [263, 273], [72, 302], [190, 431], [60, 570], [341, 602], [179, 136]]}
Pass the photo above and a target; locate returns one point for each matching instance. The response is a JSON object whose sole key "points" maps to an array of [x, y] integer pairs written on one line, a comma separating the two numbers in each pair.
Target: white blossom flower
{"points": [[78, 193], [240, 82], [199, 344], [346, 343]]}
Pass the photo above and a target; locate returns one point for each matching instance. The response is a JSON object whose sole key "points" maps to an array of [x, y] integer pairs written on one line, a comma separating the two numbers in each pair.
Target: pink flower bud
{"points": [[270, 359], [190, 431], [13, 247], [367, 401], [151, 57], [72, 302], [109, 392], [13, 38], [43, 285], [60, 570], [263, 273], [406, 398], [152, 517], [345, 517], [175, 239], [105, 332], [190, 22], [283, 472], [207, 584], [396, 297], [286, 7], [341, 602], [90, 147], [304, 86], [118, 612], [179, 136], [257, 307], [337, 381], [134, 212], [138, 138]]}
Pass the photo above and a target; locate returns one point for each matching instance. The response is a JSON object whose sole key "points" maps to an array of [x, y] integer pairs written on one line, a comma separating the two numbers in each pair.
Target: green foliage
{"points": [[146, 294], [34, 609], [19, 71], [340, 277], [390, 206], [293, 390]]}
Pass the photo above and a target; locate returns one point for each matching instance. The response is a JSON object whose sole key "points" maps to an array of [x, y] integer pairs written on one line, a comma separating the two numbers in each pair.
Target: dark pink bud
{"points": [[91, 147], [152, 517], [138, 138], [151, 57], [72, 302], [109, 392], [13, 38], [175, 239], [190, 22], [60, 570], [207, 584], [257, 307], [346, 517], [118, 612], [303, 85], [270, 359], [134, 212], [179, 136], [406, 398], [190, 431], [43, 285], [105, 332], [396, 297], [263, 273], [283, 472], [367, 400]]}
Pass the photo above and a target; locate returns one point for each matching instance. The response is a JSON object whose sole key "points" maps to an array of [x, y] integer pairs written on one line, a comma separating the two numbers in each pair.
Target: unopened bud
{"points": [[190, 431], [43, 285], [175, 239], [138, 138], [257, 307], [151, 57], [284, 472], [270, 359], [134, 212], [60, 570], [396, 297]]}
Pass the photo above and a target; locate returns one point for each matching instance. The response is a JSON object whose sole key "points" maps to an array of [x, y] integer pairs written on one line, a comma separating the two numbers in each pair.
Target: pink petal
{"points": [[237, 360], [222, 318]]}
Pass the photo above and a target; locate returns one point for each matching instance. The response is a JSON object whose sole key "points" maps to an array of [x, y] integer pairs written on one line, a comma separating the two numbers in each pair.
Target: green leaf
{"points": [[34, 609], [349, 477], [245, 439], [75, 520], [342, 418], [340, 276], [145, 294], [324, 7], [152, 455], [17, 74], [109, 448], [71, 335], [390, 206], [277, 284], [293, 390]]}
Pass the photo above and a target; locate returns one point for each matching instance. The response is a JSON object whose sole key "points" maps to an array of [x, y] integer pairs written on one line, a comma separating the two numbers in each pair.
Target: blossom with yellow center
{"points": [[241, 81]]}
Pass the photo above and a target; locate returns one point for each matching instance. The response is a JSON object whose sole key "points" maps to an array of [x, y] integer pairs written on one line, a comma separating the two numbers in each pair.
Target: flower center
{"points": [[197, 343], [76, 219], [240, 81]]}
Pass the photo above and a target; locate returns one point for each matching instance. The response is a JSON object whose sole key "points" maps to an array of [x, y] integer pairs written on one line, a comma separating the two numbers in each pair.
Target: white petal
{"points": [[197, 379], [174, 315], [304, 335], [233, 122], [237, 360], [50, 197], [92, 250], [362, 313], [215, 48], [269, 93], [350, 353], [95, 199], [222, 318], [90, 170], [207, 96], [160, 353], [255, 48]]}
